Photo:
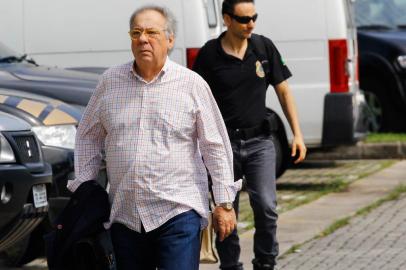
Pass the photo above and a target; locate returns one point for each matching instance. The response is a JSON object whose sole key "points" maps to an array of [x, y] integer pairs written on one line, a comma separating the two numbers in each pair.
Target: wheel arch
{"points": [[375, 66]]}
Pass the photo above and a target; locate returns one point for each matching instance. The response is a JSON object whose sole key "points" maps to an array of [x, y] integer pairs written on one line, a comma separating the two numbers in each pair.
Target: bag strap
{"points": [[211, 195]]}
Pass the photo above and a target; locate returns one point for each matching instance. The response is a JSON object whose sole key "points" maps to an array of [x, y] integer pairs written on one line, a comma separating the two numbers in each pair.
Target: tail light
{"points": [[338, 66], [191, 54]]}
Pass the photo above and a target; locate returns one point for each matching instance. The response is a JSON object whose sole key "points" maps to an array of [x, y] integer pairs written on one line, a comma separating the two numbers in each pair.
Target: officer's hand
{"points": [[224, 222], [298, 146]]}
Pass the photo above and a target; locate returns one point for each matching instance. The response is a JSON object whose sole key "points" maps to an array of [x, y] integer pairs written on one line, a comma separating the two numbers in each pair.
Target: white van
{"points": [[317, 39], [73, 33]]}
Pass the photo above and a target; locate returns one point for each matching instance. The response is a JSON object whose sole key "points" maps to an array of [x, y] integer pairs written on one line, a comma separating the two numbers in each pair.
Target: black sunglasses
{"points": [[243, 19]]}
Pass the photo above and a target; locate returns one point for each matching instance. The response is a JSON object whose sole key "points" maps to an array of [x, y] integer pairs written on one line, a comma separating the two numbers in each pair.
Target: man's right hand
{"points": [[224, 222]]}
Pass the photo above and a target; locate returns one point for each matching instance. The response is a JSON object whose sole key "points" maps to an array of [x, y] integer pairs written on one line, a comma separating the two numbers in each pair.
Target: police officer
{"points": [[238, 79]]}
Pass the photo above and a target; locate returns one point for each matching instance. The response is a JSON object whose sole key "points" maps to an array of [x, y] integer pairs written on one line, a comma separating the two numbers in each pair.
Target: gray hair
{"points": [[169, 17]]}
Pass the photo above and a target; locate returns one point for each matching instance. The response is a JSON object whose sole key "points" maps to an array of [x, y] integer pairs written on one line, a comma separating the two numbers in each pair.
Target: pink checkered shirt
{"points": [[154, 135]]}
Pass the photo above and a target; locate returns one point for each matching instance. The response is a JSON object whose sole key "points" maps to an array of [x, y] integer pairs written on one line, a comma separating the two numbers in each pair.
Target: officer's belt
{"points": [[247, 133]]}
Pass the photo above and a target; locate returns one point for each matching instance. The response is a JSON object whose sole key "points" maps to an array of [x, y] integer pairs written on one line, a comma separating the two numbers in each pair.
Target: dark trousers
{"points": [[173, 246], [255, 160]]}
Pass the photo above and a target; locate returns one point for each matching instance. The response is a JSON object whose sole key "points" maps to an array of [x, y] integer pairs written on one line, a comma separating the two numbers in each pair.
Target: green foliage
{"points": [[385, 137]]}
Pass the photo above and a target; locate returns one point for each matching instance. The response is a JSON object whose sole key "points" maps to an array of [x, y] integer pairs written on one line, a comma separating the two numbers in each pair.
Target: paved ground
{"points": [[305, 222], [375, 241], [305, 182]]}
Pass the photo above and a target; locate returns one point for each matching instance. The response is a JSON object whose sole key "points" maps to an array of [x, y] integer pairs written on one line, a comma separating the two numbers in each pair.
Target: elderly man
{"points": [[155, 120]]}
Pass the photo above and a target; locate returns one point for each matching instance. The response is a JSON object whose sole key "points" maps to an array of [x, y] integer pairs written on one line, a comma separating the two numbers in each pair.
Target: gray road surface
{"points": [[376, 241]]}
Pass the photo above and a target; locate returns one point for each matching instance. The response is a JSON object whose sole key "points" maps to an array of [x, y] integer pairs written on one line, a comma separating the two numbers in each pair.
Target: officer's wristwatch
{"points": [[226, 206]]}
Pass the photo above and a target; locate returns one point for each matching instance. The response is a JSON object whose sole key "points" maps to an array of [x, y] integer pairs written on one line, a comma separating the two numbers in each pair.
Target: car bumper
{"points": [[343, 120], [18, 214]]}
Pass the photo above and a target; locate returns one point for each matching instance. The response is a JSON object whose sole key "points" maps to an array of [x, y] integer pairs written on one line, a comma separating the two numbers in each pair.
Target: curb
{"points": [[396, 150]]}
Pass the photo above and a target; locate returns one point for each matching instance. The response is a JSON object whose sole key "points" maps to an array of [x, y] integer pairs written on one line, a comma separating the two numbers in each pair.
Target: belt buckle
{"points": [[240, 133]]}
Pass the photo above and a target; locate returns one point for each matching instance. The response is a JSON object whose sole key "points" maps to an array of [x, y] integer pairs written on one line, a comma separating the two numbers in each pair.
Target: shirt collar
{"points": [[160, 75], [221, 51]]}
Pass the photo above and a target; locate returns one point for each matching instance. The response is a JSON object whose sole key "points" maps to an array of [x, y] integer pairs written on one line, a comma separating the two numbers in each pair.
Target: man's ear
{"points": [[227, 19], [171, 41]]}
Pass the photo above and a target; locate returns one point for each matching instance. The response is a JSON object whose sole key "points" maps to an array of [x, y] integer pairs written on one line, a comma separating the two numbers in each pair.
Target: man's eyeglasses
{"points": [[243, 19], [136, 33]]}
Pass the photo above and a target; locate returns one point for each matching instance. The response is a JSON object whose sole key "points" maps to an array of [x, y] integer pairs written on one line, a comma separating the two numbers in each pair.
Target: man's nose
{"points": [[251, 24], [143, 38]]}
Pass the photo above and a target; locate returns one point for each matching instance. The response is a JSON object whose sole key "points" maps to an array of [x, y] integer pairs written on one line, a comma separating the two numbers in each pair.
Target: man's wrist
{"points": [[228, 206]]}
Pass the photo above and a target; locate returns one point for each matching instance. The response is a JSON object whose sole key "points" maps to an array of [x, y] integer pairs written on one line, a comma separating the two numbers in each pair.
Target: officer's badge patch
{"points": [[259, 69]]}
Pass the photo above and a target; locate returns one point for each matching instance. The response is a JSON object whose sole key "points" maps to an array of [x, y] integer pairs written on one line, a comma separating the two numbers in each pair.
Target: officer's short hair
{"points": [[228, 5]]}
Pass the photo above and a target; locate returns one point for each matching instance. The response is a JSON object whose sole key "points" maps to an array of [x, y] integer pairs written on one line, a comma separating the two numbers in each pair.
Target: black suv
{"points": [[381, 26], [51, 101], [25, 181]]}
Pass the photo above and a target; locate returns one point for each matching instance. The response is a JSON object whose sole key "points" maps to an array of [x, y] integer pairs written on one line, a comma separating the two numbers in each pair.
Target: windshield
{"points": [[380, 14], [6, 52]]}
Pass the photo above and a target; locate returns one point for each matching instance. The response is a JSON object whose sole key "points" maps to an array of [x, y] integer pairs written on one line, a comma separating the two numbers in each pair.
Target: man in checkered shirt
{"points": [[155, 120]]}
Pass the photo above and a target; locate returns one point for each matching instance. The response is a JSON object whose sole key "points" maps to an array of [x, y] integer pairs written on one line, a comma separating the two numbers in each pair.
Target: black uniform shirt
{"points": [[239, 86]]}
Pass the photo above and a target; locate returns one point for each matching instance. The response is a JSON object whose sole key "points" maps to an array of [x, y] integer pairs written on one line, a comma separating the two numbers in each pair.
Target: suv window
{"points": [[211, 13], [388, 14]]}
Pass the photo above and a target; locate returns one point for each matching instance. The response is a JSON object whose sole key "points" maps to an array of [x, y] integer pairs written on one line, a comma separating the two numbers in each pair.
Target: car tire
{"points": [[382, 112], [28, 249], [14, 256]]}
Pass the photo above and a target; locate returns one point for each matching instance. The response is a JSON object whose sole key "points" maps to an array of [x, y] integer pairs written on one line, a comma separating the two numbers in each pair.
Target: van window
{"points": [[211, 13]]}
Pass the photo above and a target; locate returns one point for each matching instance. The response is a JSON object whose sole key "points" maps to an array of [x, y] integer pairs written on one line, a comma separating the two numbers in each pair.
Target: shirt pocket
{"points": [[177, 123]]}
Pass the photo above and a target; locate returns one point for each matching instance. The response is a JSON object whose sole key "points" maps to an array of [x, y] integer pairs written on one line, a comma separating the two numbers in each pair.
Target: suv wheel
{"points": [[26, 250], [15, 255], [383, 112], [373, 112]]}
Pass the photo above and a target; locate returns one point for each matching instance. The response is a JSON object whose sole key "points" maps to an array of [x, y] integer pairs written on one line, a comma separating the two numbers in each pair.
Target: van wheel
{"points": [[282, 155]]}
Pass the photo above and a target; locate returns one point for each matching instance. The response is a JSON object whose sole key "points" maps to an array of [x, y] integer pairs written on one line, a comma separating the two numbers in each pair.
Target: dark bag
{"points": [[95, 253], [82, 219]]}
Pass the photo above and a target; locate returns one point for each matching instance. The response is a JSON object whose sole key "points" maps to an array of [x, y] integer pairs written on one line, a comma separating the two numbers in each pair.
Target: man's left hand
{"points": [[298, 146], [224, 222]]}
